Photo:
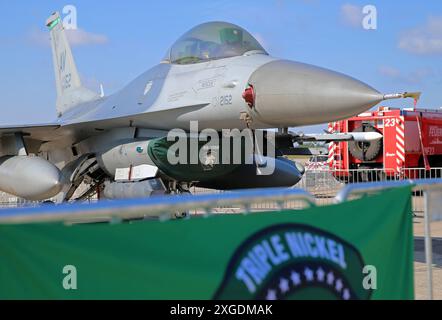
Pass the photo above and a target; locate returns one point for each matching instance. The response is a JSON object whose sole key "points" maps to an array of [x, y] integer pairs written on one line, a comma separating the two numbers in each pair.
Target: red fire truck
{"points": [[412, 138]]}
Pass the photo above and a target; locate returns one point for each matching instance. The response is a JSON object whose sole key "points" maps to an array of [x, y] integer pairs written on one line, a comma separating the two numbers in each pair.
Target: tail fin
{"points": [[70, 92]]}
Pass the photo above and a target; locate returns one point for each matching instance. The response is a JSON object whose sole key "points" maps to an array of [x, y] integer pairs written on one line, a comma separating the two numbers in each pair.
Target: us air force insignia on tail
{"points": [[294, 261]]}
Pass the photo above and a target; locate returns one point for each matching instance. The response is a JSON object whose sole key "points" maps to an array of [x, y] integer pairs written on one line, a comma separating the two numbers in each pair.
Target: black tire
{"points": [[365, 151]]}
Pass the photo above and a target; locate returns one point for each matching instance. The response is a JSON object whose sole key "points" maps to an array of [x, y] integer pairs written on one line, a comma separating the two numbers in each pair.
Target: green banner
{"points": [[361, 249]]}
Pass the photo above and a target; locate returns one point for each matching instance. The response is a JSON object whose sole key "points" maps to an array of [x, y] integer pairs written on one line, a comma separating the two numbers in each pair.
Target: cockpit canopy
{"points": [[210, 41]]}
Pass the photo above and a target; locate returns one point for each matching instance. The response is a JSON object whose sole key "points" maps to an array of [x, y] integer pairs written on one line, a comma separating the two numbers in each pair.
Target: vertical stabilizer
{"points": [[70, 91]]}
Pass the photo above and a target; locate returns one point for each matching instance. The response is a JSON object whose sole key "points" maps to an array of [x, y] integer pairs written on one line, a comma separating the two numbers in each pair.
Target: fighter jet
{"points": [[217, 74]]}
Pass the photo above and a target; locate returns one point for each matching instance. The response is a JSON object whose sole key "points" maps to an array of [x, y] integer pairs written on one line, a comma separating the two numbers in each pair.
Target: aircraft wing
{"points": [[42, 132], [56, 135], [34, 136]]}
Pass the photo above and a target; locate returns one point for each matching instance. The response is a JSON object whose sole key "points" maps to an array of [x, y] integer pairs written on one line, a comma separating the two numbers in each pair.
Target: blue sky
{"points": [[119, 40]]}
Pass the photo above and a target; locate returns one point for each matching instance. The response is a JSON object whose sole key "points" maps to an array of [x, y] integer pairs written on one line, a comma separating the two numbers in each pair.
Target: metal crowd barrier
{"points": [[164, 207], [324, 184]]}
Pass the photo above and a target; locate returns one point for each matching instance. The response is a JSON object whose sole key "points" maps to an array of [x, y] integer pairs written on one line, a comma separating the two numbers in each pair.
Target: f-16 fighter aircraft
{"points": [[216, 74]]}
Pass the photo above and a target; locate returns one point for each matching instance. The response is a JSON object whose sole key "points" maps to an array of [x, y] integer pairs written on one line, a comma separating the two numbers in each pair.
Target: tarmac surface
{"points": [[420, 268]]}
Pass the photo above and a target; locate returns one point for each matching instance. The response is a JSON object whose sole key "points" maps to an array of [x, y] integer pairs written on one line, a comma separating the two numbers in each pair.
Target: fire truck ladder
{"points": [[338, 152], [424, 154]]}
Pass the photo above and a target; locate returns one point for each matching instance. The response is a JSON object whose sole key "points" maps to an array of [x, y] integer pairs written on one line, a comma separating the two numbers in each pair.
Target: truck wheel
{"points": [[365, 151]]}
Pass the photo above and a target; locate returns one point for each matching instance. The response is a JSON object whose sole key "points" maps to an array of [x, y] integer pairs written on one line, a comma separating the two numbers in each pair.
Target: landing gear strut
{"points": [[176, 188]]}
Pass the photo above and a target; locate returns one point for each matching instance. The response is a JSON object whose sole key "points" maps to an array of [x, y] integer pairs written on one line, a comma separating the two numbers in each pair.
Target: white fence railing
{"points": [[324, 184]]}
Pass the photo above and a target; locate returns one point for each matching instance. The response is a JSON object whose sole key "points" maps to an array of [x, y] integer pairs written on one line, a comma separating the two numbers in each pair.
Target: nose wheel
{"points": [[176, 188]]}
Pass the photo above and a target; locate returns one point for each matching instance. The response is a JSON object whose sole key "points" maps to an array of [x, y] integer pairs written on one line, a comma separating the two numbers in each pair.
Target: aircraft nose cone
{"points": [[289, 93]]}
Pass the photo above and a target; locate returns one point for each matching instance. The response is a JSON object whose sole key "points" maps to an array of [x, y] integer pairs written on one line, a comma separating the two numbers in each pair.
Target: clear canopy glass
{"points": [[210, 41]]}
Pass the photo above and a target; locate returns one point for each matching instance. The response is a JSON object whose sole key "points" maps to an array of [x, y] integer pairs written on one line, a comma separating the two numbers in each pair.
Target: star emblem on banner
{"points": [[296, 278], [271, 295], [284, 285], [320, 275], [307, 276]]}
